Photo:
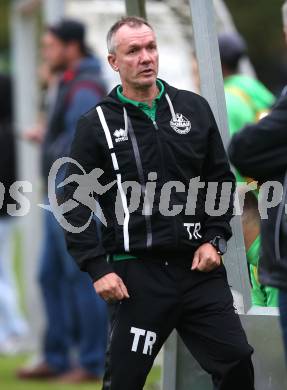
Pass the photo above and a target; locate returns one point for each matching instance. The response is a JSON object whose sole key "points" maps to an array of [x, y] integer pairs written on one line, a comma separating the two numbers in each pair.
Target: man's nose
{"points": [[145, 56]]}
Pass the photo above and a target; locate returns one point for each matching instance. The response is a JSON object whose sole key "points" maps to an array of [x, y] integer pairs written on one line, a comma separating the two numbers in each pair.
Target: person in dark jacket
{"points": [[13, 326], [259, 151], [76, 316], [158, 260], [247, 101]]}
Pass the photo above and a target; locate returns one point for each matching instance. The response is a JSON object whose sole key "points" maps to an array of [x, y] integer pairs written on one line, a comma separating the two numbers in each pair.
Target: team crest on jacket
{"points": [[181, 124], [121, 135]]}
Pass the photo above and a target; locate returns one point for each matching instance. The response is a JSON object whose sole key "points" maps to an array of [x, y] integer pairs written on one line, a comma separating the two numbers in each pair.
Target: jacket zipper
{"points": [[164, 175], [160, 149]]}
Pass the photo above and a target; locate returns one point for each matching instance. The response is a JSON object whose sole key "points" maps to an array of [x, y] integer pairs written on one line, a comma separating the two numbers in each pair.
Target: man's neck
{"points": [[144, 95]]}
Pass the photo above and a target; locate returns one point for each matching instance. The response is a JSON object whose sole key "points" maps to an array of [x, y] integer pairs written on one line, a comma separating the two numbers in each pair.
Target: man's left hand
{"points": [[206, 258]]}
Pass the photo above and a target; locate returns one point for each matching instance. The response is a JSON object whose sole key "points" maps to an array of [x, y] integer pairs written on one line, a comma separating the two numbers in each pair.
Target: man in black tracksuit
{"points": [[158, 258]]}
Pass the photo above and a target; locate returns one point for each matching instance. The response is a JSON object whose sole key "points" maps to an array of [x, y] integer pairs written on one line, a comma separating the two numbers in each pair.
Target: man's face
{"points": [[136, 56], [54, 52]]}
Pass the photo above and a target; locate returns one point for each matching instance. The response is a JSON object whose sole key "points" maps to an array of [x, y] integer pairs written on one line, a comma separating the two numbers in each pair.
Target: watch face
{"points": [[222, 245]]}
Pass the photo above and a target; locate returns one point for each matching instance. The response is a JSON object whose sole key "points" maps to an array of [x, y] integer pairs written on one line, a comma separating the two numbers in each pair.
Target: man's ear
{"points": [[113, 62]]}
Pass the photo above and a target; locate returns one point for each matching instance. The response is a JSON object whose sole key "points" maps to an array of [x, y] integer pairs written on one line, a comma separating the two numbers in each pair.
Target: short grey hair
{"points": [[284, 14], [131, 21]]}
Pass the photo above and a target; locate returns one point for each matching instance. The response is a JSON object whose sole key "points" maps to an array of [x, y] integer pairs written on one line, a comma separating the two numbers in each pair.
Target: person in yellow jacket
{"points": [[247, 101]]}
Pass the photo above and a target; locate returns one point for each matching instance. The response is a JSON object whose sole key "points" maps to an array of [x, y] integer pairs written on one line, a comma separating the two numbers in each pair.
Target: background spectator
{"points": [[247, 100], [13, 326], [76, 316]]}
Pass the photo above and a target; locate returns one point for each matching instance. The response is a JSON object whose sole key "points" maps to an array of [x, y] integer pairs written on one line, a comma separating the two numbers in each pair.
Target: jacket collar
{"points": [[112, 98]]}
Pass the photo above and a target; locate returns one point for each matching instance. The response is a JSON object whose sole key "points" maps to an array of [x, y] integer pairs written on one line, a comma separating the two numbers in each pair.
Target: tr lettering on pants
{"points": [[150, 339]]}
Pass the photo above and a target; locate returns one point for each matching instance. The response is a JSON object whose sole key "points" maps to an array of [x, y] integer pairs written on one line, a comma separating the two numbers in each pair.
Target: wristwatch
{"points": [[219, 244]]}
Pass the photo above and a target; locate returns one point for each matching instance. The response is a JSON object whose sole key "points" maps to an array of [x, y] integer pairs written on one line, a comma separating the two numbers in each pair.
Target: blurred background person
{"points": [[48, 81], [260, 151], [76, 316], [13, 326], [247, 100]]}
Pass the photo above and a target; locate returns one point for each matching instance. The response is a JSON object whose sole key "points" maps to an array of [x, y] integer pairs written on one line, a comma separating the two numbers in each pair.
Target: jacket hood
{"points": [[89, 64]]}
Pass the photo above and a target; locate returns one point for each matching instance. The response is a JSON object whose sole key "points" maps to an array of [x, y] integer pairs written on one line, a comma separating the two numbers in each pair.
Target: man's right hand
{"points": [[111, 287]]}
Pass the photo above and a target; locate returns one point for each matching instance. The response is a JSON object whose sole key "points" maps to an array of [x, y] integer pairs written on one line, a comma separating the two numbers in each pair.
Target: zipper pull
{"points": [[155, 125]]}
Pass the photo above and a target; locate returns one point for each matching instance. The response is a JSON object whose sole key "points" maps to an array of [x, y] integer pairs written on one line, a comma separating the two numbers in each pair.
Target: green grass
{"points": [[17, 259], [8, 381]]}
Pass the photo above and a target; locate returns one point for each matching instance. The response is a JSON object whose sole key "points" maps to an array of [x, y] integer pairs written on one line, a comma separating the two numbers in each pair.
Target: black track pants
{"points": [[163, 297]]}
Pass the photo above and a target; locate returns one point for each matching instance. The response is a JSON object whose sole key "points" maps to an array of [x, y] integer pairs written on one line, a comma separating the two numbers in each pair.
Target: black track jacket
{"points": [[183, 143]]}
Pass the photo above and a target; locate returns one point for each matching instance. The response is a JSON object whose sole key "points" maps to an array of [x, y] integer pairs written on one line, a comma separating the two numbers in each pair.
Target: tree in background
{"points": [[260, 22], [4, 34]]}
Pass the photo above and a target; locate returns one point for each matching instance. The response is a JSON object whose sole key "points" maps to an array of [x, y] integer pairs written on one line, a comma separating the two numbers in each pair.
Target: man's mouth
{"points": [[147, 71]]}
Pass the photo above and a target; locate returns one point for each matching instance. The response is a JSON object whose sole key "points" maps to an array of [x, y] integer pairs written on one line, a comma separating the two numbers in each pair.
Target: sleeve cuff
{"points": [[213, 232], [98, 267]]}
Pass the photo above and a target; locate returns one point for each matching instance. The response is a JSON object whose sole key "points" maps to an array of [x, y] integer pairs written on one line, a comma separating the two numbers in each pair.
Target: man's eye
{"points": [[152, 47]]}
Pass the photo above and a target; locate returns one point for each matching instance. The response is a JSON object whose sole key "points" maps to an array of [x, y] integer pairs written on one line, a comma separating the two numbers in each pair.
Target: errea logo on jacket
{"points": [[120, 135]]}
